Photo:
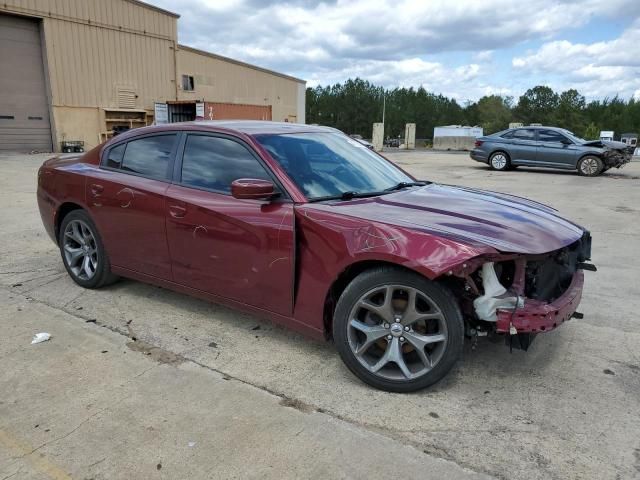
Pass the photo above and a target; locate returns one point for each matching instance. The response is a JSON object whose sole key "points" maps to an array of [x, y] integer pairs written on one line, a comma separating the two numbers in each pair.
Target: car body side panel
{"points": [[558, 155], [328, 243], [239, 249], [60, 180], [129, 212], [521, 151]]}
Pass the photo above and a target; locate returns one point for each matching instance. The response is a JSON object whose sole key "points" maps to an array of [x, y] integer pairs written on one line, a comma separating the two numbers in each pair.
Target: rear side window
{"points": [[149, 156], [550, 136], [214, 162], [524, 134], [114, 157], [509, 134]]}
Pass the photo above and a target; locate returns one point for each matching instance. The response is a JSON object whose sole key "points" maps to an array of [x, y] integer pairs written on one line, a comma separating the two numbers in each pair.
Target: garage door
{"points": [[24, 112]]}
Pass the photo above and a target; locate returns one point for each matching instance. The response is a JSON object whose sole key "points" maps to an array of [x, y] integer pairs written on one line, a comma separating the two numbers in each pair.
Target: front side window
{"points": [[149, 156], [524, 134], [213, 163], [327, 164], [550, 136]]}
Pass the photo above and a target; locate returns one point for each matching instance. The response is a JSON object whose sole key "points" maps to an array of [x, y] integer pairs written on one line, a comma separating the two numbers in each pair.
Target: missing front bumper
{"points": [[538, 316]]}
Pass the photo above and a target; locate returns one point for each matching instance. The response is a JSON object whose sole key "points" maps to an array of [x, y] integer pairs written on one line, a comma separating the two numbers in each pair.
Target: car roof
{"points": [[247, 127], [559, 129]]}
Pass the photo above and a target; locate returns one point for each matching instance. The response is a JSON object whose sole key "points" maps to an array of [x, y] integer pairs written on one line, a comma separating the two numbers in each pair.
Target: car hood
{"points": [[606, 143], [504, 222]]}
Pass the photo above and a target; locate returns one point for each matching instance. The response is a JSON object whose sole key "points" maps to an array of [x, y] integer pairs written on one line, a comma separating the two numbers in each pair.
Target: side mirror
{"points": [[252, 189], [566, 141]]}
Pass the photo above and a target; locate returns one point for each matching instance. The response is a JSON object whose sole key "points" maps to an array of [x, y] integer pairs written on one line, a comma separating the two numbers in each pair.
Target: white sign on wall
{"points": [[161, 113], [200, 111]]}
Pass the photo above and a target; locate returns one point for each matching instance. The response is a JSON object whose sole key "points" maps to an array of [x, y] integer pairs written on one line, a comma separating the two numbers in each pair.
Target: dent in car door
{"points": [[129, 208], [238, 249]]}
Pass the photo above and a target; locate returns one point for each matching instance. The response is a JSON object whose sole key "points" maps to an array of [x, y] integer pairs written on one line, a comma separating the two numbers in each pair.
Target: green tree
{"points": [[353, 106], [570, 111], [592, 132], [537, 105], [492, 112]]}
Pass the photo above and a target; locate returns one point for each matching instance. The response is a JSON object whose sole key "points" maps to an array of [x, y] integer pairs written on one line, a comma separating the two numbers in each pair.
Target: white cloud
{"points": [[597, 69], [404, 42]]}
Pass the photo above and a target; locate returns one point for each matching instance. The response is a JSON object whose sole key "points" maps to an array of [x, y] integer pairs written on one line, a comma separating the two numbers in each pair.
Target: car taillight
{"points": [[479, 143]]}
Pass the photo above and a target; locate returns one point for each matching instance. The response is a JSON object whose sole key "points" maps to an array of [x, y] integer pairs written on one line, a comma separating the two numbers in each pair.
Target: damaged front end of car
{"points": [[518, 296], [612, 154]]}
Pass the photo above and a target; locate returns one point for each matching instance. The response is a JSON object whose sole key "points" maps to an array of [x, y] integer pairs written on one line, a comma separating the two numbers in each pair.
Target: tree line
{"points": [[353, 106]]}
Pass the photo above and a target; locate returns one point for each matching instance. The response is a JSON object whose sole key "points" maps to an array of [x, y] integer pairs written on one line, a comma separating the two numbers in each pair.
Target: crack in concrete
{"points": [[285, 401]]}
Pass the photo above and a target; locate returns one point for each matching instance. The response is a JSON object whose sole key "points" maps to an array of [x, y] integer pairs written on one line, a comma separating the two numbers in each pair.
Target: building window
{"points": [[187, 83]]}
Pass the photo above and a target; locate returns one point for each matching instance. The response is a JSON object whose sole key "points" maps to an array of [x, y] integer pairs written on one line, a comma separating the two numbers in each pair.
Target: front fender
{"points": [[328, 244]]}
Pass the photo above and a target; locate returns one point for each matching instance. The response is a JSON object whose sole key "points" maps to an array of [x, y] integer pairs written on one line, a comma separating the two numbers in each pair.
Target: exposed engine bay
{"points": [[614, 154], [522, 295]]}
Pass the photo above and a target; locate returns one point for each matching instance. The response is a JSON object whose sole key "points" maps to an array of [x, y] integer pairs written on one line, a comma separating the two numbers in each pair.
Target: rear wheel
{"points": [[396, 330], [499, 161], [83, 253], [590, 166]]}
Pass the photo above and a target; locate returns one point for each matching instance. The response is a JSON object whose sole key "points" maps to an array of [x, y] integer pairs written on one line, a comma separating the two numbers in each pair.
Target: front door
{"points": [[126, 200], [238, 249], [556, 150]]}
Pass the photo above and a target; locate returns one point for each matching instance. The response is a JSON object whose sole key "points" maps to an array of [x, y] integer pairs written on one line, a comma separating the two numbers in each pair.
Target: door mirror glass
{"points": [[252, 189]]}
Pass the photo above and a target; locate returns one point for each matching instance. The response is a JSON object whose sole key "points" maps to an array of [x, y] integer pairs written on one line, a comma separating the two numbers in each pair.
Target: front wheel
{"points": [[590, 166], [396, 330]]}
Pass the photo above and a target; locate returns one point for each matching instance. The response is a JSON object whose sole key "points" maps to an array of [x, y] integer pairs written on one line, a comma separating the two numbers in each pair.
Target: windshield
{"points": [[330, 164], [573, 136]]}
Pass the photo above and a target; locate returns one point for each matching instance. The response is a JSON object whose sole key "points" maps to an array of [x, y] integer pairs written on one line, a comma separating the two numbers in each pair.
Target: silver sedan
{"points": [[549, 147]]}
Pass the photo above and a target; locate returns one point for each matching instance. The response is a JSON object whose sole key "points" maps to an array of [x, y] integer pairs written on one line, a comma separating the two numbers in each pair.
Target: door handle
{"points": [[176, 211], [96, 189]]}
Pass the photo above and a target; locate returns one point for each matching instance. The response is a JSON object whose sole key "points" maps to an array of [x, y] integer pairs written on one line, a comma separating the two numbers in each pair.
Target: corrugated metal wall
{"points": [[95, 47], [223, 81], [102, 54]]}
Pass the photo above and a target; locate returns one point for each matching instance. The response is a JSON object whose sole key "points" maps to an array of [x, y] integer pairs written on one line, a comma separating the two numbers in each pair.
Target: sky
{"points": [[459, 48]]}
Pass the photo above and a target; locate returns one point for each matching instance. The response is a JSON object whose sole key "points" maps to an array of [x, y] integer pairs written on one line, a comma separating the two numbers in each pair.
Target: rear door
{"points": [[126, 198], [522, 148], [238, 249], [553, 152]]}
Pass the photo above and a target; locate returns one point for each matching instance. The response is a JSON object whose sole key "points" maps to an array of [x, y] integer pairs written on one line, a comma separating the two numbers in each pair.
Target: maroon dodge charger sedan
{"points": [[311, 229]]}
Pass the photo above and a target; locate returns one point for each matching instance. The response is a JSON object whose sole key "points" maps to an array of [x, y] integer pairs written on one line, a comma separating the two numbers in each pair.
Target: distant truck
{"points": [[606, 135]]}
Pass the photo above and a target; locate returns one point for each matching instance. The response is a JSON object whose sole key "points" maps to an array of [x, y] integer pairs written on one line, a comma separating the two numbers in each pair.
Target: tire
{"points": [[590, 166], [499, 161], [83, 253], [398, 331]]}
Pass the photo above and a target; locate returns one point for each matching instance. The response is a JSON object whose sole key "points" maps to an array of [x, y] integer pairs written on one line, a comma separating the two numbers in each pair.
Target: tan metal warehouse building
{"points": [[75, 70]]}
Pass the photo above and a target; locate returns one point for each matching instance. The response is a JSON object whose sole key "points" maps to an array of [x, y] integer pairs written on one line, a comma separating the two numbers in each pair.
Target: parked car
{"points": [[359, 139], [299, 225], [549, 147], [392, 142]]}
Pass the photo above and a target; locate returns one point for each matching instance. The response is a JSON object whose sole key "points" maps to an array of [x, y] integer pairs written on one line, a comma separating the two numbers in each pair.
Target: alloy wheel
{"points": [[589, 166], [397, 332], [499, 161], [80, 250]]}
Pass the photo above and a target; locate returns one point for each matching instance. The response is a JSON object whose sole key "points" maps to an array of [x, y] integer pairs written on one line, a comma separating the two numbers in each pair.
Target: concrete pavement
{"points": [[568, 408]]}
